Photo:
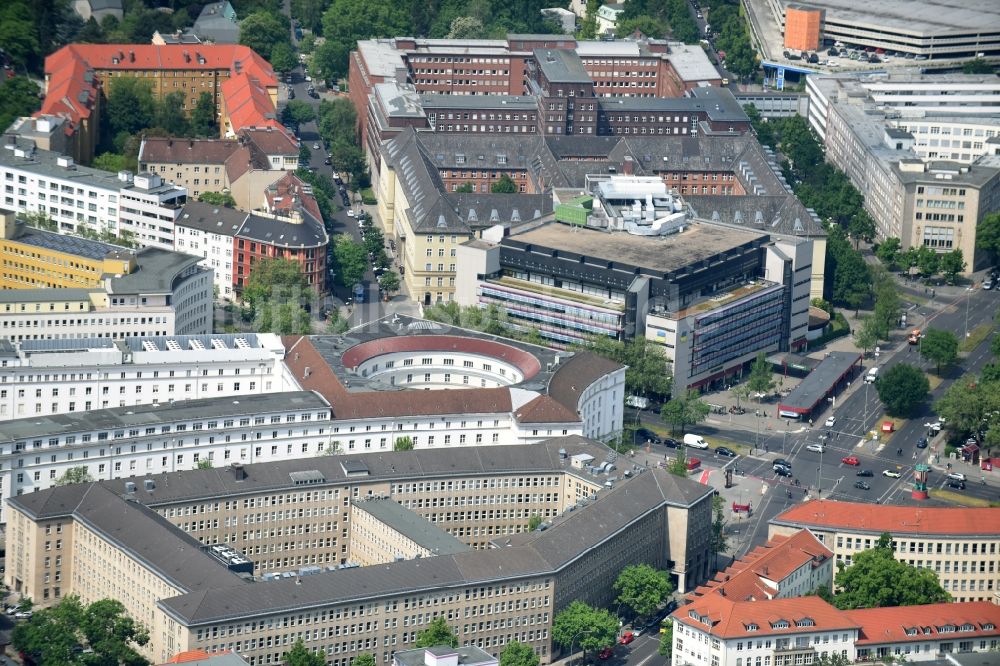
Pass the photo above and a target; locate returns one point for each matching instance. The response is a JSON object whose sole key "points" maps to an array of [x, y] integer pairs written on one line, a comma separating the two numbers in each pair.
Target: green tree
{"points": [[832, 659], [112, 162], [19, 96], [348, 158], [329, 60], [861, 226], [647, 372], [40, 220], [867, 334], [588, 27], [951, 264], [651, 26], [203, 463], [282, 58], [977, 66], [969, 403], [389, 282], [927, 260], [720, 543], [218, 199], [666, 638], [876, 579], [761, 379], [18, 36], [678, 465], [995, 346], [534, 521], [350, 260], [585, 627], [887, 306], [902, 388], [70, 633], [888, 252], [437, 633], [363, 659], [75, 475], [203, 120], [988, 235], [518, 654], [642, 588], [274, 295], [503, 186], [262, 31], [337, 121], [170, 115], [131, 107], [940, 347], [465, 188], [404, 443], [684, 410], [297, 113], [467, 27], [300, 655]]}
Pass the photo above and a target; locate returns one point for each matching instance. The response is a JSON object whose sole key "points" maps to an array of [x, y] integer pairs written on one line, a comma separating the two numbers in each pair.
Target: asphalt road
{"points": [[857, 414]]}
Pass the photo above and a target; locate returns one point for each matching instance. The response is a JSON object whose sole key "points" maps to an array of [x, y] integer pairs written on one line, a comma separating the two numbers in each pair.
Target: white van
{"points": [[872, 375], [695, 442]]}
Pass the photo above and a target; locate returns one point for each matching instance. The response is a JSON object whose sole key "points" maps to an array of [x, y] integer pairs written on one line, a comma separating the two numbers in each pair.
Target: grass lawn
{"points": [[897, 423], [960, 498], [976, 336]]}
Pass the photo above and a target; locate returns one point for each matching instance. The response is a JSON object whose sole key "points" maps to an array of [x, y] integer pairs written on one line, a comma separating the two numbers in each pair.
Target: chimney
{"points": [[627, 165], [131, 56], [307, 372], [238, 472]]}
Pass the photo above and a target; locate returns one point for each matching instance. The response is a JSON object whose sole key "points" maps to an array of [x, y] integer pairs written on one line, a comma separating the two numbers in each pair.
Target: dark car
{"points": [[862, 485], [670, 442], [922, 443], [291, 94], [327, 161], [643, 435], [782, 462], [780, 470], [866, 472], [956, 484], [724, 451]]}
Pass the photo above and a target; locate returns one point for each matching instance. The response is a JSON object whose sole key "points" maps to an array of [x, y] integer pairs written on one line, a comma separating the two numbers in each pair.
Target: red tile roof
{"points": [[879, 518], [71, 93], [725, 617], [187, 151], [522, 360], [248, 104], [124, 57], [545, 409], [301, 354], [890, 625], [753, 576], [194, 655], [290, 191]]}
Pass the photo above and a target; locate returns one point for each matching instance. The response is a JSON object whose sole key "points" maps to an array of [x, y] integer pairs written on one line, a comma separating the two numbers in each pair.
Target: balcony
{"points": [[722, 298]]}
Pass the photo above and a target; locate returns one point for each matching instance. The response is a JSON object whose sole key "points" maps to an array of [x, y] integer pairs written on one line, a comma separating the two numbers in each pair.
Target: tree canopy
{"points": [[19, 96], [902, 388], [951, 264], [263, 31], [505, 185], [437, 633], [218, 199], [988, 234], [518, 654], [274, 295], [647, 372], [78, 474], [61, 634], [350, 260], [971, 403], [876, 579], [642, 588], [940, 347], [585, 627], [300, 655], [761, 378], [684, 410]]}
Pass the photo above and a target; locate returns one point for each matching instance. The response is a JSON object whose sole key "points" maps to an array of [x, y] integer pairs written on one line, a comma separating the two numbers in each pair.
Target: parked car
{"points": [[781, 470], [605, 653], [315, 146], [865, 472], [862, 485], [350, 213], [922, 443], [829, 423], [892, 474], [725, 451], [670, 442], [627, 638], [851, 460], [643, 435]]}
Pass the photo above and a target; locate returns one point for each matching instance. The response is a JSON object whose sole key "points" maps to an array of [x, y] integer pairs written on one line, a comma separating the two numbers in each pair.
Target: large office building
{"points": [[251, 558], [103, 373], [928, 29], [924, 151], [960, 545], [76, 197]]}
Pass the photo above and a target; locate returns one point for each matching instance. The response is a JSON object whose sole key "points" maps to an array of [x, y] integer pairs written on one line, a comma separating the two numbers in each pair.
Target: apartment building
{"points": [[78, 197], [208, 231], [153, 438], [959, 544], [732, 632], [46, 377], [34, 258], [189, 599]]}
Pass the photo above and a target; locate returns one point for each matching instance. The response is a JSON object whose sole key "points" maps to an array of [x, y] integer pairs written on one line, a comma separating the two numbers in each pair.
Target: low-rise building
{"points": [[959, 544], [383, 531], [607, 17], [445, 655], [101, 373]]}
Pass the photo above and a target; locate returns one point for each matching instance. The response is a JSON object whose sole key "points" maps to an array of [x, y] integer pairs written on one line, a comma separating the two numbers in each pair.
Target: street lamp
{"points": [[572, 641]]}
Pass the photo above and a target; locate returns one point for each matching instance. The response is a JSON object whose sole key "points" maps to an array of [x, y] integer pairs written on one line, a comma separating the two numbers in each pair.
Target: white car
{"points": [[830, 421], [818, 448], [350, 213], [308, 78], [957, 476], [890, 473]]}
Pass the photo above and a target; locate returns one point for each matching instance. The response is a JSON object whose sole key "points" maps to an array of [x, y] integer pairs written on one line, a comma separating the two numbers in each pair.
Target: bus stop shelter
{"points": [[830, 376]]}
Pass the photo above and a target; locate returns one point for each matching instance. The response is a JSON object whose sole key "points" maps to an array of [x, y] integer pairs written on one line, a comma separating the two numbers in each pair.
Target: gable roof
{"points": [[187, 151], [727, 618], [896, 520], [891, 625]]}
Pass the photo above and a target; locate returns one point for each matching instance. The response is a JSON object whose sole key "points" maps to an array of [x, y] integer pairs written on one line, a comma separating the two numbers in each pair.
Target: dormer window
{"points": [[805, 622], [946, 629], [967, 627], [911, 631], [780, 624], [989, 626], [752, 627]]}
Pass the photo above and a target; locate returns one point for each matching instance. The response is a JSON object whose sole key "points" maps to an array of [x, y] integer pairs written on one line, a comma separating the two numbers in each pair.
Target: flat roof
{"points": [[915, 17], [561, 66], [46, 295], [660, 253], [691, 62], [155, 273], [414, 527], [468, 655], [436, 100], [68, 244], [817, 384], [120, 418]]}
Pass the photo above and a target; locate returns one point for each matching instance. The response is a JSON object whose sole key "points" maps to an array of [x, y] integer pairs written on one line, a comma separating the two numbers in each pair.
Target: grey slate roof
{"points": [[45, 295], [155, 274], [411, 525], [147, 415], [578, 373], [210, 218], [75, 245], [284, 232], [561, 66]]}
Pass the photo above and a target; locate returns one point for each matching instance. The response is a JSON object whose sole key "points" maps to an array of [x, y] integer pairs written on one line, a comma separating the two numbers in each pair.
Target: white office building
{"points": [[75, 196], [157, 438], [44, 377]]}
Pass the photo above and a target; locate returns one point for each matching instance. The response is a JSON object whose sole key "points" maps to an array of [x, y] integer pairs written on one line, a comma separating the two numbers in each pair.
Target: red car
{"points": [[626, 638], [605, 653], [851, 460]]}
